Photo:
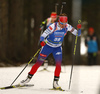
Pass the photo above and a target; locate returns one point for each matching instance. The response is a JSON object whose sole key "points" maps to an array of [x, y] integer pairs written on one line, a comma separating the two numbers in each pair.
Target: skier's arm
{"points": [[42, 28], [43, 24], [74, 31], [47, 32]]}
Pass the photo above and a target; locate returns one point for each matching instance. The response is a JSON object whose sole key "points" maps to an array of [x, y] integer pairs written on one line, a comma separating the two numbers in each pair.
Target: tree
{"points": [[3, 28]]}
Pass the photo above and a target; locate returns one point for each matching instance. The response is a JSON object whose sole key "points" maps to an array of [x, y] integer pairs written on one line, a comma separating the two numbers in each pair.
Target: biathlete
{"points": [[51, 42]]}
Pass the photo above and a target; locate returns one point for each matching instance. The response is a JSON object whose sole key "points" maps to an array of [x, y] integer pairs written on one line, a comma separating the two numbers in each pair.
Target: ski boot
{"points": [[28, 78], [55, 83]]}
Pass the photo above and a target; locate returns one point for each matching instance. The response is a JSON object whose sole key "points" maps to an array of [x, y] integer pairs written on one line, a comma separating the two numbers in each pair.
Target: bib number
{"points": [[57, 39]]}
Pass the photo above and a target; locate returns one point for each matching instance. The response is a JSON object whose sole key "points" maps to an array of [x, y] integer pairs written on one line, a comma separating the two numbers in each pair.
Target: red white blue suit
{"points": [[53, 36]]}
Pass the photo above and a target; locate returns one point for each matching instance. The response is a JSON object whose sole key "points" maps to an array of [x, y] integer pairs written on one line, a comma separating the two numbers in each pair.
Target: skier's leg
{"points": [[58, 59], [46, 63], [42, 56]]}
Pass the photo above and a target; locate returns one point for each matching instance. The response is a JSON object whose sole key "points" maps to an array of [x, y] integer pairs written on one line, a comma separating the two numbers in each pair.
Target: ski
{"points": [[44, 70], [59, 89], [17, 86]]}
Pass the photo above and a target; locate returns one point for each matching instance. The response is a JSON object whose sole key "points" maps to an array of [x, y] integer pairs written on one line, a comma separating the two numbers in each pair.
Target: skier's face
{"points": [[62, 25], [62, 21], [53, 19]]}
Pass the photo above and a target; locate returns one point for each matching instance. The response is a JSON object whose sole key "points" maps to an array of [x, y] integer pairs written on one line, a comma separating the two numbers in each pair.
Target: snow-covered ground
{"points": [[85, 80]]}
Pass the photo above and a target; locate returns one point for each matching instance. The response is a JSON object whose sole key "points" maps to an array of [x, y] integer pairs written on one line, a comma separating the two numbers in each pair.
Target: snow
{"points": [[85, 80], [83, 49]]}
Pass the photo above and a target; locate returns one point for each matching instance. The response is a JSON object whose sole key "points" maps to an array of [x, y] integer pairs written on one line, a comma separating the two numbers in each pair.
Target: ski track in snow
{"points": [[85, 80]]}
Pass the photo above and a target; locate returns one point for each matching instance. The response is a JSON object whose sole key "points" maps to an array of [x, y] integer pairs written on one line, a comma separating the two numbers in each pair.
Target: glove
{"points": [[42, 43], [79, 32], [79, 26]]}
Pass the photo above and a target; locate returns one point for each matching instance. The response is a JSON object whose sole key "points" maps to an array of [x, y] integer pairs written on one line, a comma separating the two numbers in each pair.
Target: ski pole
{"points": [[79, 21], [63, 3], [26, 65], [56, 7]]}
